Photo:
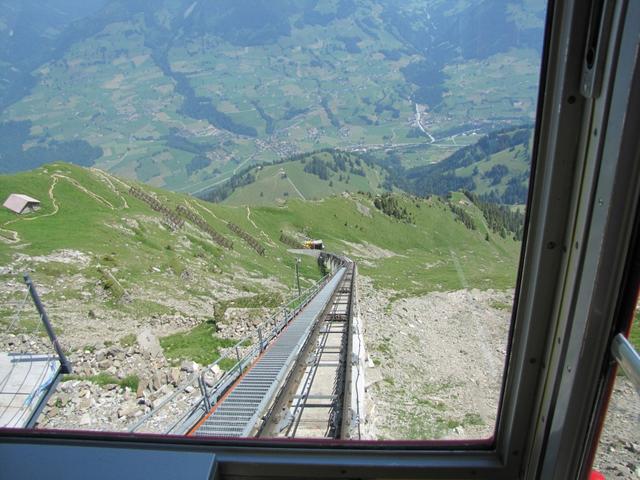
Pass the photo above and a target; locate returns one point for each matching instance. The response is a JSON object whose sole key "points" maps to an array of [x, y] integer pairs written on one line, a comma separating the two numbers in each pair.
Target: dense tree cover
{"points": [[177, 141], [318, 167], [441, 184], [269, 120], [17, 85], [218, 194], [393, 55], [350, 43], [496, 173], [338, 162], [429, 79], [197, 163], [292, 112], [462, 216], [201, 108], [388, 204], [502, 220], [440, 178], [515, 193], [335, 121], [13, 158], [486, 146], [385, 104]]}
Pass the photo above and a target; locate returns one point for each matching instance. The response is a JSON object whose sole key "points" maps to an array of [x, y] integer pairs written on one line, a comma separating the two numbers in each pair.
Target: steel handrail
{"points": [[288, 312], [627, 358]]}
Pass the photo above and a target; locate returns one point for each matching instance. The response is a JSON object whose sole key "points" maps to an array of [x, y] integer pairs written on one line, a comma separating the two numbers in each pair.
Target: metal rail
{"points": [[65, 366], [241, 409], [184, 419], [27, 380], [316, 400], [627, 358]]}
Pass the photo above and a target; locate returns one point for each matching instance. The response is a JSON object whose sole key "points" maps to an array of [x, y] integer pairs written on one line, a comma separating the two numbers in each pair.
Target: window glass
{"points": [[617, 454], [292, 219]]}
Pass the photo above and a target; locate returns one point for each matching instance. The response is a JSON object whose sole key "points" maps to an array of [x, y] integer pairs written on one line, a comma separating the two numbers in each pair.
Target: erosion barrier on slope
{"points": [[290, 241], [170, 218], [253, 243], [201, 223]]}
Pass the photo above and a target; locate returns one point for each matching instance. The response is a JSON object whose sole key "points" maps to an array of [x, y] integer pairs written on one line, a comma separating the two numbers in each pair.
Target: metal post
{"points": [[260, 339], [298, 276], [627, 358], [65, 366], [238, 354], [203, 390]]}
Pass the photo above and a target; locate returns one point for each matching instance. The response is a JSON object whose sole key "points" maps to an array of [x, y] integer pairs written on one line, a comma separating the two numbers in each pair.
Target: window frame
{"points": [[567, 173]]}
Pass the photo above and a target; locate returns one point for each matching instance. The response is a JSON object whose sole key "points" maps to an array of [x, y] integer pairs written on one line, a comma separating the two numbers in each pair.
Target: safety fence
{"points": [[202, 224], [171, 219], [180, 410], [253, 243]]}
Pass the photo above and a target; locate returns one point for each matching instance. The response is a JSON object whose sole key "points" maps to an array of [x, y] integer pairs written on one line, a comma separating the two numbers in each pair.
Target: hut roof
{"points": [[17, 202]]}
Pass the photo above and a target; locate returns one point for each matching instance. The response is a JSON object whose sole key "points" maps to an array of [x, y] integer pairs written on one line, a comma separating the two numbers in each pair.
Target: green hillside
{"points": [[310, 177], [496, 167], [97, 250], [91, 211], [130, 261], [496, 172]]}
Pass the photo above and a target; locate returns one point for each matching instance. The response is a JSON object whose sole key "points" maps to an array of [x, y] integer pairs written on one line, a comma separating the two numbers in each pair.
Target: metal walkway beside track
{"points": [[239, 411]]}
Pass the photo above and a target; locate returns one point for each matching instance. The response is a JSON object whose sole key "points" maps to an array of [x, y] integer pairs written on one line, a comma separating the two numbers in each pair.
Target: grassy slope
{"points": [[425, 254], [271, 187], [87, 225], [434, 253], [149, 253], [515, 159]]}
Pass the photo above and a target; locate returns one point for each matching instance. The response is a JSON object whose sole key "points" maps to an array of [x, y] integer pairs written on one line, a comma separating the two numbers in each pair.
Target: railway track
{"points": [[297, 386], [314, 402]]}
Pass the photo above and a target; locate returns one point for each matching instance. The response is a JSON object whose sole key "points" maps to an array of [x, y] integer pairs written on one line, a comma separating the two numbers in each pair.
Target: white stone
{"points": [[85, 420], [149, 343]]}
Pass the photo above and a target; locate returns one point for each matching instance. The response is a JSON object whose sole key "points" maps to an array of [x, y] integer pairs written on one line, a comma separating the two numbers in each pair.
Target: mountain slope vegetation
{"points": [[94, 241], [496, 168], [311, 176]]}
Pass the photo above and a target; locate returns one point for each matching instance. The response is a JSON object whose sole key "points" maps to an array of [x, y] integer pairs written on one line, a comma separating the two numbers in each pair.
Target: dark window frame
{"points": [[581, 230]]}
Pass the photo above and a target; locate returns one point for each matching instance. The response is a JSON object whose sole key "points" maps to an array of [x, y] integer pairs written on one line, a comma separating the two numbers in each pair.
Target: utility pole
{"points": [[298, 276]]}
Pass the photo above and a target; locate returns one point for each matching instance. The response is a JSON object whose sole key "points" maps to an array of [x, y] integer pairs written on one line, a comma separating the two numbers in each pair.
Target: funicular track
{"points": [[314, 402], [248, 406]]}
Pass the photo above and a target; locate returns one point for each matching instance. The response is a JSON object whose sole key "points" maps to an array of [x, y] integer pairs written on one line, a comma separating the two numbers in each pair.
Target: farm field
{"points": [[181, 108]]}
